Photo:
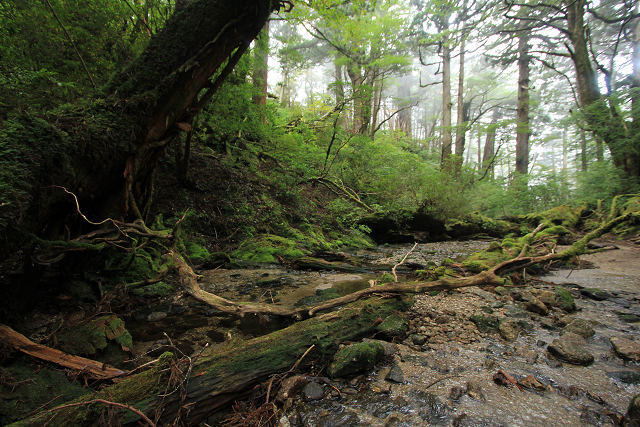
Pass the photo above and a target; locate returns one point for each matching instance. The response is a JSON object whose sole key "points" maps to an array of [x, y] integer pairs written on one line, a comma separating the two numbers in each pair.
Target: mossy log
{"points": [[227, 373]]}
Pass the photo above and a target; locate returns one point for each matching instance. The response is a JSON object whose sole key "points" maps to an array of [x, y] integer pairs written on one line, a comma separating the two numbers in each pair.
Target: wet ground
{"points": [[449, 379]]}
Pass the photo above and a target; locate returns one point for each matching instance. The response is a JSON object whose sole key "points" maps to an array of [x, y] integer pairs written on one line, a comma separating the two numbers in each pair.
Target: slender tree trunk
{"points": [[463, 115], [260, 70], [522, 115], [489, 145], [447, 140], [583, 150]]}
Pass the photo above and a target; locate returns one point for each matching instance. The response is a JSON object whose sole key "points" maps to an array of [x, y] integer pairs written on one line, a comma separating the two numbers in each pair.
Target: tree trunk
{"points": [[522, 115], [489, 145], [463, 114], [447, 140], [260, 70], [583, 150]]}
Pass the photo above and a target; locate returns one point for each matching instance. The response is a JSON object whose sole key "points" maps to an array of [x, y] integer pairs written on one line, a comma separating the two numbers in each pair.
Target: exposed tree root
{"points": [[492, 277]]}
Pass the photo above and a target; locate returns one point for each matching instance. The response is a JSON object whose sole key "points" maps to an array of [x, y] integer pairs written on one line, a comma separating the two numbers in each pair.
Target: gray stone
{"points": [[547, 297], [571, 348], [457, 392], [389, 348], [509, 329], [595, 293], [474, 390], [291, 387], [502, 291], [417, 339], [626, 348], [395, 375], [156, 316], [313, 391], [580, 327], [627, 377], [515, 311]]}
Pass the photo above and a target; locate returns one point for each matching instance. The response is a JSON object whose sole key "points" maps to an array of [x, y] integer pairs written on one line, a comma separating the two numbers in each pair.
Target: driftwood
{"points": [[90, 368]]}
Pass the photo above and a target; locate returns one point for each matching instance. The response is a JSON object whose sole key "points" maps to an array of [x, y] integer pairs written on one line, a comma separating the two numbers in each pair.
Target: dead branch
{"points": [[393, 270], [93, 369], [104, 402]]}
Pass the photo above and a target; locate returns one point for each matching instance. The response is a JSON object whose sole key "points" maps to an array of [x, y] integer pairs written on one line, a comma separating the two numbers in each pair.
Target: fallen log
{"points": [[91, 368], [223, 374]]}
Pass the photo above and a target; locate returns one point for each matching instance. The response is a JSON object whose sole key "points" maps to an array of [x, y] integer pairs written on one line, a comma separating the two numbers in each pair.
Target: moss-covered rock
{"points": [[564, 215], [155, 290], [564, 300], [88, 338], [355, 359], [485, 324], [392, 327]]}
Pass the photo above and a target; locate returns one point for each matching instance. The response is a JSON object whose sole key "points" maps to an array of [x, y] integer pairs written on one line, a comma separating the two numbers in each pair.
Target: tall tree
{"points": [[261, 69], [522, 113]]}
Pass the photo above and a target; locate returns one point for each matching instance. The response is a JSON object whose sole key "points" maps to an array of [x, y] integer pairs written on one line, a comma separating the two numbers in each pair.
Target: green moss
{"points": [[88, 338], [197, 253], [355, 359], [387, 278], [160, 289], [564, 300], [447, 262], [393, 326], [265, 249], [485, 324], [560, 215]]}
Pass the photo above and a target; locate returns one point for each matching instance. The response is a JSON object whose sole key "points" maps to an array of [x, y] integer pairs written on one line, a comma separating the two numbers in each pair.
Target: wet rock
{"points": [[626, 348], [595, 293], [457, 392], [313, 391], [389, 348], [509, 329], [464, 420], [515, 311], [497, 304], [291, 387], [178, 309], [356, 358], [565, 320], [627, 377], [564, 300], [474, 390], [629, 318], [526, 326], [632, 417], [418, 339], [532, 383], [392, 327], [441, 320], [156, 316], [571, 348], [484, 324], [580, 327], [548, 325], [395, 375], [502, 291], [599, 417], [487, 309], [534, 305], [431, 409], [483, 294]]}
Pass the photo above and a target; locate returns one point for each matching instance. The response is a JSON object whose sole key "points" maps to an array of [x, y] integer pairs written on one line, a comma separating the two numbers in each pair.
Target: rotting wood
{"points": [[91, 368]]}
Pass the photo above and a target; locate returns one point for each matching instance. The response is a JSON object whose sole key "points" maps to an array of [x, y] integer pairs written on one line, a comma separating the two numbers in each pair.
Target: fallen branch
{"points": [[105, 402], [92, 368]]}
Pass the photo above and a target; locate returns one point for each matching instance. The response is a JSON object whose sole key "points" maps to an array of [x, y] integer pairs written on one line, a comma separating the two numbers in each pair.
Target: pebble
{"points": [[313, 391]]}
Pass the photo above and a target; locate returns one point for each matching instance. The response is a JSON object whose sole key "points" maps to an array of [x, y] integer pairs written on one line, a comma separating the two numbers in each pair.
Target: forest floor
{"points": [[450, 371]]}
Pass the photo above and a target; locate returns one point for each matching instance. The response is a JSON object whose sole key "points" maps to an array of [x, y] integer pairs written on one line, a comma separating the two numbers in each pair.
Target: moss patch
{"points": [[564, 300], [355, 359], [266, 248], [88, 338]]}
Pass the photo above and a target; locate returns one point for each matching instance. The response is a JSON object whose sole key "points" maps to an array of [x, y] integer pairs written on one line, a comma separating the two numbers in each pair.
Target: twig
{"points": [[441, 379], [395, 276], [104, 402]]}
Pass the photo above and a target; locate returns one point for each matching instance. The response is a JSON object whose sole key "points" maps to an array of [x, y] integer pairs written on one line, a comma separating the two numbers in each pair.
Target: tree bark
{"points": [[522, 119], [260, 70], [447, 139], [463, 114]]}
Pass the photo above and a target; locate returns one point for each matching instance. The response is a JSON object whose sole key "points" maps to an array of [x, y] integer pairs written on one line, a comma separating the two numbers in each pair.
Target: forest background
{"points": [[442, 107]]}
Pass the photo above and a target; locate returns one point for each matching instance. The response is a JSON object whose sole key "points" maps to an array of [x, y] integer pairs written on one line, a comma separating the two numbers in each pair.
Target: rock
{"points": [[395, 375], [509, 329], [580, 327], [356, 358], [532, 383], [484, 324], [627, 377], [389, 348], [392, 327], [626, 348], [547, 297], [464, 420], [565, 320], [564, 300], [156, 316], [536, 306], [291, 387], [457, 392], [441, 320], [595, 293], [474, 390], [515, 311], [632, 417], [571, 349], [629, 318], [313, 391], [431, 410], [418, 339], [502, 291]]}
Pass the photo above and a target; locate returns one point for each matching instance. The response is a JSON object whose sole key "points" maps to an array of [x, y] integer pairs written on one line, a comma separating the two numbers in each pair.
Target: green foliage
{"points": [[266, 248]]}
